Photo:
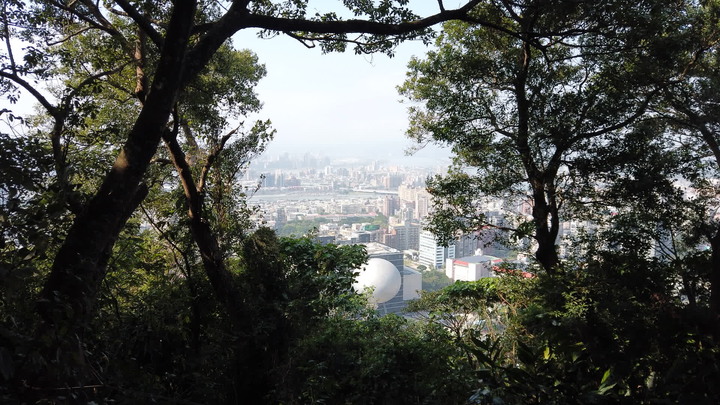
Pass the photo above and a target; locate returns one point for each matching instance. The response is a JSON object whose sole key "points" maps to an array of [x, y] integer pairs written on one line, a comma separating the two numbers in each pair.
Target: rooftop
{"points": [[378, 248], [478, 259]]}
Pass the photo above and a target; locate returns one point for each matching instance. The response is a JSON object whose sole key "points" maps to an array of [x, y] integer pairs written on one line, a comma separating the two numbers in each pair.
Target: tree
{"points": [[366, 360], [623, 315], [609, 330], [690, 105], [462, 306], [160, 51], [433, 279], [221, 93], [183, 54], [519, 101]]}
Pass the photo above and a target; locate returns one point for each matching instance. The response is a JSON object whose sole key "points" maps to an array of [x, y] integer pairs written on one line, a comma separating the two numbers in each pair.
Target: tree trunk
{"points": [[545, 234], [70, 290], [715, 283], [546, 253], [205, 238]]}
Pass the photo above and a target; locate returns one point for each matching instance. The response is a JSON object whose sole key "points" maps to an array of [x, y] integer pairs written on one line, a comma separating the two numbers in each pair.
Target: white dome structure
{"points": [[380, 275]]}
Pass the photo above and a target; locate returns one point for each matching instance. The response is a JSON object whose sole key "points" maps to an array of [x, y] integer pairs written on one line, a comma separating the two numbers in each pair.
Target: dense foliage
{"points": [[130, 271], [305, 226], [574, 109]]}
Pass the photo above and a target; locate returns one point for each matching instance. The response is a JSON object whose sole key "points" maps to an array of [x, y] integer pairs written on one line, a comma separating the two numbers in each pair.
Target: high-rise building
{"points": [[280, 218], [279, 178], [406, 235], [392, 181], [390, 204], [389, 239], [431, 253], [407, 193], [268, 180], [466, 245], [407, 213], [423, 205]]}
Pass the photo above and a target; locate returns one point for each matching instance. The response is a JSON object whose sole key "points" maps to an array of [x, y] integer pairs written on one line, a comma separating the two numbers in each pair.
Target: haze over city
{"points": [[340, 104]]}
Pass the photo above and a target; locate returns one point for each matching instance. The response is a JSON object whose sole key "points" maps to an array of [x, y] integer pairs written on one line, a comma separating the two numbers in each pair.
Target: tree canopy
{"points": [[596, 116], [130, 271], [522, 104], [114, 80]]}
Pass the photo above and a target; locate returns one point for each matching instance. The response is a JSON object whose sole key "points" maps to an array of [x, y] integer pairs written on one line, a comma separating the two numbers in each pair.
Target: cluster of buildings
{"points": [[392, 199], [385, 208], [322, 176], [335, 194]]}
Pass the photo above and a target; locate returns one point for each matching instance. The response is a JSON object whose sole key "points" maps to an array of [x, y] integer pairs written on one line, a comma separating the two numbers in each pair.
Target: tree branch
{"points": [[177, 156], [205, 239], [212, 157], [109, 29], [308, 41], [707, 135], [6, 28], [75, 90], [69, 36], [238, 17], [51, 109], [353, 26], [173, 246], [142, 22], [642, 108]]}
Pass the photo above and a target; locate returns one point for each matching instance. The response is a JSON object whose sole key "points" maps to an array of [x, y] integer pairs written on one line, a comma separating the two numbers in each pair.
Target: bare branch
{"points": [[303, 40], [174, 247], [308, 42], [7, 39], [93, 23], [212, 157], [88, 80], [70, 36], [642, 108], [95, 11], [142, 22]]}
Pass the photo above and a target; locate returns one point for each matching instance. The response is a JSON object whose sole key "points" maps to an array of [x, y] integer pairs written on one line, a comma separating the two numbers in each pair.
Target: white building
{"points": [[471, 268], [409, 281], [431, 253]]}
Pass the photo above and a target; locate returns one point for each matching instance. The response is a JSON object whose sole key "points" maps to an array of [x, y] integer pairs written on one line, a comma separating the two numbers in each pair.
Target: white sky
{"points": [[335, 101]]}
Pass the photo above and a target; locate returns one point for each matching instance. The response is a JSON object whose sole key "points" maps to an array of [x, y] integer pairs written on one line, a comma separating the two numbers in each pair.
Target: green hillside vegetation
{"points": [[305, 226]]}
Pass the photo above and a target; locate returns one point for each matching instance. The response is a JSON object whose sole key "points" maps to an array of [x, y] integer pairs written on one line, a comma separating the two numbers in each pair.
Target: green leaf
{"points": [[605, 376]]}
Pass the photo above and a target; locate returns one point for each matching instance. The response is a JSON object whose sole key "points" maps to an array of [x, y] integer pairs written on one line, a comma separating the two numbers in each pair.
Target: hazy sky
{"points": [[334, 101]]}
